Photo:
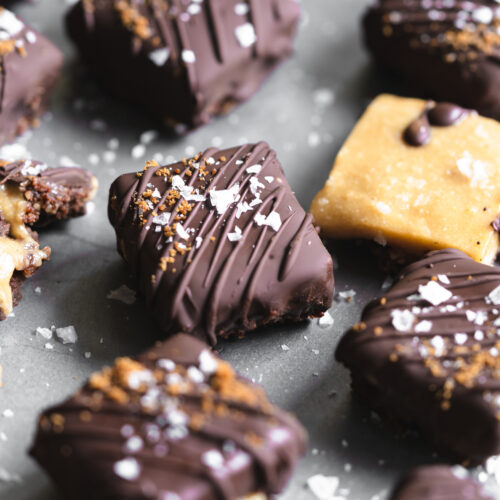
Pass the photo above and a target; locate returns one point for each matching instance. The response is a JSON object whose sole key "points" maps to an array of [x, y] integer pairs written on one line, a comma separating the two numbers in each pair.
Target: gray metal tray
{"points": [[305, 111]]}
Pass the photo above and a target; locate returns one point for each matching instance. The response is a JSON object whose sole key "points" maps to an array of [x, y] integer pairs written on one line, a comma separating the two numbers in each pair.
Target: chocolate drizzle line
{"points": [[454, 27], [211, 56], [447, 356], [212, 285], [442, 114], [198, 430], [447, 49]]}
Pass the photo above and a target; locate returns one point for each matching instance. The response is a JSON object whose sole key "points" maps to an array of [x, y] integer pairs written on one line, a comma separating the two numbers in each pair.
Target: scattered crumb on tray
{"points": [[123, 294]]}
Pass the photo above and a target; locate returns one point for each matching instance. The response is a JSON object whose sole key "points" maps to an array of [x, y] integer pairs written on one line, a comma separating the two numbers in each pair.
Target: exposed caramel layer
{"points": [[19, 251]]}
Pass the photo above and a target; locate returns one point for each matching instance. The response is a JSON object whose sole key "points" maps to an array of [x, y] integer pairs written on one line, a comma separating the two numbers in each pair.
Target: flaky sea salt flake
{"points": [[213, 459], [402, 320], [159, 56], [128, 469], [494, 296], [67, 334], [434, 293], [222, 199], [326, 320], [207, 362], [46, 333], [246, 35], [323, 487]]}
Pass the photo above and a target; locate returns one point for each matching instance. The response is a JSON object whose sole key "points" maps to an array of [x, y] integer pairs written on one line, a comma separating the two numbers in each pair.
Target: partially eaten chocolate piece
{"points": [[184, 62], [175, 423], [450, 49], [33, 195], [438, 482], [29, 67], [428, 354], [219, 244]]}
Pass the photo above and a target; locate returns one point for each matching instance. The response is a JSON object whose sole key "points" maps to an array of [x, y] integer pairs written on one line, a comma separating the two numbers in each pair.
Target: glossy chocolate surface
{"points": [[30, 65], [441, 114], [177, 423], [219, 245], [427, 353], [184, 62], [450, 50]]}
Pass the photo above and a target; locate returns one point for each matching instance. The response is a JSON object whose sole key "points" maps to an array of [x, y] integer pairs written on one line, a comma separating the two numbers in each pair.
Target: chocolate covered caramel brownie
{"points": [[175, 423], [33, 195]]}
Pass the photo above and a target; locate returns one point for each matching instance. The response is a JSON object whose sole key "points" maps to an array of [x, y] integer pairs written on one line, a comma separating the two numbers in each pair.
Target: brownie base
{"points": [[16, 282], [47, 205]]}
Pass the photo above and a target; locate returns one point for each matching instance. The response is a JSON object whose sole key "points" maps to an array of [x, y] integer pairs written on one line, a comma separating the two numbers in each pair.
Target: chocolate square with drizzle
{"points": [[175, 423], [184, 61], [29, 67], [428, 353], [219, 244], [449, 49], [33, 195]]}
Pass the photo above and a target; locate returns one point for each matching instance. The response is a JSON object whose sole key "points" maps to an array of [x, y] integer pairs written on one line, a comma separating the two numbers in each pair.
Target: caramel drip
{"points": [[19, 250]]}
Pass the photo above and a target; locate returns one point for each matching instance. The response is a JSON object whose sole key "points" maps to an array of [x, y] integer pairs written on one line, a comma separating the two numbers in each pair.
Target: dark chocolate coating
{"points": [[253, 445], [52, 193], [418, 132], [218, 287], [207, 69], [434, 366], [441, 114], [446, 114], [450, 49], [496, 224], [438, 482], [28, 74]]}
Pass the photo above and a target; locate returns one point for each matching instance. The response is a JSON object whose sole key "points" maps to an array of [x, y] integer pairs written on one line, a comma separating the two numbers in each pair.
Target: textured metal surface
{"points": [[296, 114]]}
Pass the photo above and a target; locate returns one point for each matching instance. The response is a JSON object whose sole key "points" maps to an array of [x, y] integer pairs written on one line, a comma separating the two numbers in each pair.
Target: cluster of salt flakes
{"points": [[65, 334], [245, 33], [467, 14], [220, 201], [10, 25], [171, 421], [326, 487], [437, 346]]}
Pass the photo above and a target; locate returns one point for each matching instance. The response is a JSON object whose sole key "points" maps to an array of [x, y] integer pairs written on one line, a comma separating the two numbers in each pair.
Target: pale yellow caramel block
{"points": [[19, 250], [444, 194]]}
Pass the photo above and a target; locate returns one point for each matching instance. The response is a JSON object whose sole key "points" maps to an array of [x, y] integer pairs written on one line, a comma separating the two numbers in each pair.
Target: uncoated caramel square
{"points": [[443, 194]]}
